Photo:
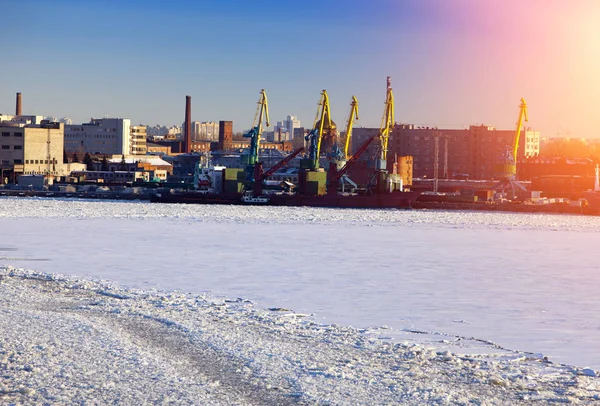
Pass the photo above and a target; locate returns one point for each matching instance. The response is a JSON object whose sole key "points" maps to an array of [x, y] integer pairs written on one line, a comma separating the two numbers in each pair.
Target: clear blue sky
{"points": [[452, 62]]}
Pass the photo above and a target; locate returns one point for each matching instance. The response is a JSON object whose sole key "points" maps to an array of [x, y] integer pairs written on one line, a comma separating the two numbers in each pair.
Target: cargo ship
{"points": [[393, 200], [193, 197]]}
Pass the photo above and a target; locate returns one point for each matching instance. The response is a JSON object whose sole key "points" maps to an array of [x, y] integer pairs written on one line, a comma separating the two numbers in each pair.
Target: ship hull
{"points": [[194, 198], [394, 200]]}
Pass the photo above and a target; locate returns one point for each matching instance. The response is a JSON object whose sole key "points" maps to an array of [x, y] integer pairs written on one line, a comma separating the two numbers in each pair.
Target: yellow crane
{"points": [[522, 118], [353, 116], [506, 170], [262, 113], [315, 137], [387, 124]]}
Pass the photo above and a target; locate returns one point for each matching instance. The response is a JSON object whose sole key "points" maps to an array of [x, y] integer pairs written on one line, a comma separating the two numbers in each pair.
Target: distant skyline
{"points": [[453, 63]]}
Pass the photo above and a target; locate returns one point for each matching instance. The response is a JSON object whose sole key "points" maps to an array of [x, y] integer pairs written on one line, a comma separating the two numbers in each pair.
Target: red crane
{"points": [[260, 176]]}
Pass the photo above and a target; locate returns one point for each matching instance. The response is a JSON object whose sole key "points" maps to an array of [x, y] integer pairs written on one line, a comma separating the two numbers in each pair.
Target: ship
{"points": [[393, 200], [193, 197]]}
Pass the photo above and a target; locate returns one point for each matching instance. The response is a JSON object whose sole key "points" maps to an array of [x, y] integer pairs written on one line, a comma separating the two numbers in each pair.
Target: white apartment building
{"points": [[205, 131], [99, 136]]}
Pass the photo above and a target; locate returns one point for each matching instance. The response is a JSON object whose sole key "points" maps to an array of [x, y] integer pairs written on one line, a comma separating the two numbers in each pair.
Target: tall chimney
{"points": [[18, 110], [188, 125]]}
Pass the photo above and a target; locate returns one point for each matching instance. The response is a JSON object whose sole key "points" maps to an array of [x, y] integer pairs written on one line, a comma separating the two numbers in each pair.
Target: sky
{"points": [[453, 63]]}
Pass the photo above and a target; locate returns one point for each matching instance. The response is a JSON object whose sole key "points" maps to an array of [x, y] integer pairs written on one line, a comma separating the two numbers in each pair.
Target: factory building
{"points": [[27, 148]]}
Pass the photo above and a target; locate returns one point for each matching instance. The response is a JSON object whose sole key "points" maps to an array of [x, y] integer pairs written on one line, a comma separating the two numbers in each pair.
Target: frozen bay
{"points": [[528, 282]]}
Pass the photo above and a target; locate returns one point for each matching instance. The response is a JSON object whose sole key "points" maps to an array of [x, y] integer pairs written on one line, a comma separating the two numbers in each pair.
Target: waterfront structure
{"points": [[99, 136]]}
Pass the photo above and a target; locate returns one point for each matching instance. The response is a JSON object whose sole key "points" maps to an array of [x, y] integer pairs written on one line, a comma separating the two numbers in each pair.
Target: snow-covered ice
{"points": [[447, 307], [74, 341]]}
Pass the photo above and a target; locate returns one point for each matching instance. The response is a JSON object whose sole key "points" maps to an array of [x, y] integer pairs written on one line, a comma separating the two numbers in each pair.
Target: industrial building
{"points": [[459, 153], [28, 148]]}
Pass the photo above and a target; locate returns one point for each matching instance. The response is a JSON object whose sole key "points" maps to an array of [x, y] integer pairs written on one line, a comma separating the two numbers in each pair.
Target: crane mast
{"points": [[316, 135], [387, 123], [353, 116], [255, 133], [522, 118]]}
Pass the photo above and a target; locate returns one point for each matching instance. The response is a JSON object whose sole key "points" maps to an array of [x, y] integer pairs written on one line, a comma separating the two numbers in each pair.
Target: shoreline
{"points": [[75, 340], [556, 208]]}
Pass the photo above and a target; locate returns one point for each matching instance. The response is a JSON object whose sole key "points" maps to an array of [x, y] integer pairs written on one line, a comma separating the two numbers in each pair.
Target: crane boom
{"points": [[353, 116], [521, 119], [282, 163], [259, 175], [387, 123], [351, 161]]}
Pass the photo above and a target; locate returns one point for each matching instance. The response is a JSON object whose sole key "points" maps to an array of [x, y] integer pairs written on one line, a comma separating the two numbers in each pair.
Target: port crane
{"points": [[507, 170], [387, 124], [338, 155], [255, 133], [522, 118], [353, 116], [315, 136]]}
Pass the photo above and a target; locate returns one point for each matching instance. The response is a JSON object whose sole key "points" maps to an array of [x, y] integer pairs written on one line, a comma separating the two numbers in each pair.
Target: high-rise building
{"points": [[284, 130]]}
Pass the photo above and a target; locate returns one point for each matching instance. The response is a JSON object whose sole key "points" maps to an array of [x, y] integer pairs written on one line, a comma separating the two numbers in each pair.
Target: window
{"points": [[37, 161], [5, 134], [6, 147], [18, 147], [18, 134], [18, 161]]}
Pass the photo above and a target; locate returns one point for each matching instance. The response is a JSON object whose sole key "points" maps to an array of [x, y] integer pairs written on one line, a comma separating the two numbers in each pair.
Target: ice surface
{"points": [[514, 282], [76, 341]]}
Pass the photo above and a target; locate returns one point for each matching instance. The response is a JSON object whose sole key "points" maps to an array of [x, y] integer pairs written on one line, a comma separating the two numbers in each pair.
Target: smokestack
{"points": [[188, 125], [18, 110]]}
